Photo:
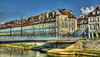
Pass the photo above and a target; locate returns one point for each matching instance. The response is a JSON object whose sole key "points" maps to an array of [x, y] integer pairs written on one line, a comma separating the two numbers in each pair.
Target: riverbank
{"points": [[19, 46], [73, 52], [89, 47]]}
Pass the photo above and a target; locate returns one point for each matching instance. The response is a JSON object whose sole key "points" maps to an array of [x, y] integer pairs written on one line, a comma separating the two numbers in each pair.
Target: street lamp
{"points": [[21, 25]]}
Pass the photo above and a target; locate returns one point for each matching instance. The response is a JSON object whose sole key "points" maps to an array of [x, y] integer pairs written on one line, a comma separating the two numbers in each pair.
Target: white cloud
{"points": [[87, 10], [81, 15], [2, 22]]}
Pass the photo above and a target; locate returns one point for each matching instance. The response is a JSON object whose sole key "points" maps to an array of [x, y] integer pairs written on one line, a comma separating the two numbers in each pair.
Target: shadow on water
{"points": [[55, 55], [12, 52]]}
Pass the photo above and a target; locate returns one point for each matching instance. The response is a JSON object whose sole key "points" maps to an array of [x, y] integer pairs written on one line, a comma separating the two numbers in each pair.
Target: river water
{"points": [[12, 52]]}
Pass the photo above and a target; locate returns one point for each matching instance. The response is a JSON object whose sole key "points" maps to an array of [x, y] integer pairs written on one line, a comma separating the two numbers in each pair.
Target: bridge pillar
{"points": [[92, 35], [89, 35], [96, 35]]}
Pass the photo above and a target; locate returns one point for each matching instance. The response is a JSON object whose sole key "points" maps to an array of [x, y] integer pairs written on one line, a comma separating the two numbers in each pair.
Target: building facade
{"points": [[94, 23], [57, 23], [82, 25]]}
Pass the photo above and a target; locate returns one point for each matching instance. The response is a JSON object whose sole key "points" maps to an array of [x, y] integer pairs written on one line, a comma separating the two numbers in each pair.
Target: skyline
{"points": [[14, 9]]}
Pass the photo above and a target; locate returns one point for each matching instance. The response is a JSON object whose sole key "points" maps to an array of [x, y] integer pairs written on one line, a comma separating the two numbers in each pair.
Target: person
{"points": [[31, 36], [27, 35]]}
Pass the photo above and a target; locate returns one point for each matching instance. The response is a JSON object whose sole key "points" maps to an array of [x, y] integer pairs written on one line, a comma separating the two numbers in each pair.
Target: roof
{"points": [[82, 21], [97, 9], [36, 18], [66, 12]]}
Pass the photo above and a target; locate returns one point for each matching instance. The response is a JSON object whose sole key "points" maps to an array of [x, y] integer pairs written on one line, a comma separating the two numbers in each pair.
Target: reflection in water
{"points": [[55, 55], [12, 52]]}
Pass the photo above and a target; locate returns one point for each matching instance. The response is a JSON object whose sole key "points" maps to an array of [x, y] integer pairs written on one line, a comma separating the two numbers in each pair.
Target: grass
{"points": [[91, 51], [24, 45]]}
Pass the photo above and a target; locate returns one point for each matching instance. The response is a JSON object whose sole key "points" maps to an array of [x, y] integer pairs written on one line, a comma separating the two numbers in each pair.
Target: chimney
{"points": [[99, 6], [86, 16], [47, 15], [70, 11], [67, 10], [82, 17], [26, 18], [53, 13]]}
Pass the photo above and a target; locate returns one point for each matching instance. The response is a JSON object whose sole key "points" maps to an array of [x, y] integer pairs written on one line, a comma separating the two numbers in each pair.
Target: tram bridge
{"points": [[16, 40]]}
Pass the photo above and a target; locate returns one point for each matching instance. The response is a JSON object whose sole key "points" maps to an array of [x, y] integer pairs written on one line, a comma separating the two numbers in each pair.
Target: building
{"points": [[94, 23], [82, 26], [57, 23]]}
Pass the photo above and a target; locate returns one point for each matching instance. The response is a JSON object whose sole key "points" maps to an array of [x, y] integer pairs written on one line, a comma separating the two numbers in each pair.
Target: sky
{"points": [[14, 9]]}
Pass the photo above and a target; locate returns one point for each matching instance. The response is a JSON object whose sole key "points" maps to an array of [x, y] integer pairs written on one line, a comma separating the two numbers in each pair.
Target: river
{"points": [[12, 52]]}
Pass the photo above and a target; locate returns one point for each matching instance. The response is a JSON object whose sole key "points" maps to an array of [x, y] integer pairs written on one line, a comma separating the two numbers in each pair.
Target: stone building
{"points": [[54, 23], [94, 23], [82, 26]]}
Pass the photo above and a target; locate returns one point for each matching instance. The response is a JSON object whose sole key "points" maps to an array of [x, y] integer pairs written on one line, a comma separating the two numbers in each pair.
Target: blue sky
{"points": [[14, 9]]}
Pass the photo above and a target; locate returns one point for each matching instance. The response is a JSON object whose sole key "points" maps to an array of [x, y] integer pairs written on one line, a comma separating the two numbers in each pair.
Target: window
{"points": [[98, 26], [93, 13], [62, 23], [69, 23], [93, 19], [69, 19], [65, 23], [72, 23], [69, 28], [72, 28], [93, 27], [98, 12], [98, 18], [50, 16], [65, 18], [90, 20], [45, 17], [90, 27], [61, 19], [41, 17]]}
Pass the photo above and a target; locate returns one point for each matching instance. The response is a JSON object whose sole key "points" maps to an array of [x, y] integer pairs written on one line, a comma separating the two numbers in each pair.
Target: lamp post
{"points": [[21, 25], [74, 27], [10, 30]]}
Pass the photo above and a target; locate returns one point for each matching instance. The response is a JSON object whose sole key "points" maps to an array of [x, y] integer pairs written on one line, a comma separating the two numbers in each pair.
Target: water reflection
{"points": [[12, 52], [55, 55]]}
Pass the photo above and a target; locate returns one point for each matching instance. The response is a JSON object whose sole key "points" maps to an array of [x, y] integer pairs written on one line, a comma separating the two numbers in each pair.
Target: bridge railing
{"points": [[39, 36]]}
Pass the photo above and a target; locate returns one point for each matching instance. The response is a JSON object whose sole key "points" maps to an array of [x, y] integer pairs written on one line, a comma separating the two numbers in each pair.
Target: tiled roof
{"points": [[95, 10], [36, 18], [66, 12], [82, 21]]}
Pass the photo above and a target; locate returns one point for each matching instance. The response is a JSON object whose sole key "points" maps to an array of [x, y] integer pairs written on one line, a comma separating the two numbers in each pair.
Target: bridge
{"points": [[35, 39]]}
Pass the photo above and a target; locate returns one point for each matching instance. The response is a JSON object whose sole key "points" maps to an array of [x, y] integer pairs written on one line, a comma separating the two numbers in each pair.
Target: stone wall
{"points": [[88, 44]]}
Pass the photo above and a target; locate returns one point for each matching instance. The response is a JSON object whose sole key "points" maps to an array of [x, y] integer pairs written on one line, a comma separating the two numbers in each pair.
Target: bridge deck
{"points": [[8, 40]]}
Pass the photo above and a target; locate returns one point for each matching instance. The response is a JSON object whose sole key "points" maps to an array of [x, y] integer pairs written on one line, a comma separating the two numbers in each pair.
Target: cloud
{"points": [[81, 15], [87, 10], [2, 22]]}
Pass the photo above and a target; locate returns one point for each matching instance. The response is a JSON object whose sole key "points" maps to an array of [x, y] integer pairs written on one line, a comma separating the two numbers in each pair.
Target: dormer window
{"points": [[50, 16], [41, 18], [30, 20], [45, 17], [98, 12], [93, 13], [70, 15], [65, 18], [58, 13]]}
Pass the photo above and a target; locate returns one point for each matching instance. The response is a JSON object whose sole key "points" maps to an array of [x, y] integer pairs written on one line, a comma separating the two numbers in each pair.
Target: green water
{"points": [[12, 52]]}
